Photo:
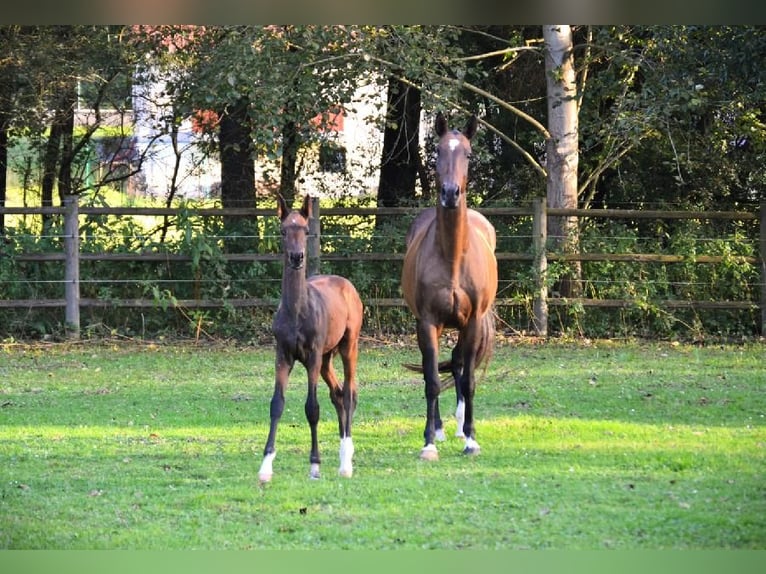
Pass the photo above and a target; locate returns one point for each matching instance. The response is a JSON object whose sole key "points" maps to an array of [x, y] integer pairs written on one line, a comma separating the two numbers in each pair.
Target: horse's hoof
{"points": [[264, 478], [314, 472], [471, 447], [429, 452], [345, 472]]}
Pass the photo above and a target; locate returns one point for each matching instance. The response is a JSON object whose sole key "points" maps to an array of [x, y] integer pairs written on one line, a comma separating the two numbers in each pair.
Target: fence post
{"points": [[762, 256], [71, 267], [313, 240], [540, 266]]}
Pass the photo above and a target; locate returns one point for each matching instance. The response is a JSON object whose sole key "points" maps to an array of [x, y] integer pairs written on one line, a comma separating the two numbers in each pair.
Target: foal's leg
{"points": [[336, 396], [349, 353], [312, 412], [283, 368], [428, 341]]}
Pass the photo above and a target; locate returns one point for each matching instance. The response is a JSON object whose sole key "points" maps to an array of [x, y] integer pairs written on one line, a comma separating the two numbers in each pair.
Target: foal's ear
{"points": [[282, 209], [306, 208], [440, 124], [471, 126]]}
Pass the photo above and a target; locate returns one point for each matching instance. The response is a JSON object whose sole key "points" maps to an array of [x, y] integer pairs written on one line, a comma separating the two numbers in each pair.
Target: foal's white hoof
{"points": [[429, 452], [346, 472], [266, 471], [314, 472]]}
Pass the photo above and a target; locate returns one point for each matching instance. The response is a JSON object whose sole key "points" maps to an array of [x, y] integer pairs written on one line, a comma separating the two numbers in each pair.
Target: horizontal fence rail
{"points": [[538, 257]]}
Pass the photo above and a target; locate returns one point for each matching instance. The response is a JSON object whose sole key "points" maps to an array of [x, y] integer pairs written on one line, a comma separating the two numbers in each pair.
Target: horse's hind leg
{"points": [[457, 372], [349, 356], [344, 409]]}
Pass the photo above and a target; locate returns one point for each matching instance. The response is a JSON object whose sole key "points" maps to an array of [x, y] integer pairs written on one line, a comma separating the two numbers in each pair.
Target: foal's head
{"points": [[452, 153], [295, 230]]}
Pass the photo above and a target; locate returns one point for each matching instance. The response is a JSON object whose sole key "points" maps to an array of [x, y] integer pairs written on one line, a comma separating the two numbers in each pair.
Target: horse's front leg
{"points": [[277, 406], [428, 337], [313, 367], [467, 386]]}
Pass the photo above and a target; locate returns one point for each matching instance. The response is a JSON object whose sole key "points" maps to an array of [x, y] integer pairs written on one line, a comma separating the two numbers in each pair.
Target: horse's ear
{"points": [[306, 208], [282, 209], [440, 124], [471, 126]]}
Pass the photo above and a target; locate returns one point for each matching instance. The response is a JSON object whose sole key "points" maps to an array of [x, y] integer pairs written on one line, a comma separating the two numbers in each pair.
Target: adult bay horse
{"points": [[449, 280], [317, 318]]}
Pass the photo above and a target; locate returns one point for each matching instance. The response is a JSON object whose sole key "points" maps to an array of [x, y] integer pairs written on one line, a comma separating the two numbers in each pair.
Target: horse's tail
{"points": [[486, 339], [444, 367], [483, 355]]}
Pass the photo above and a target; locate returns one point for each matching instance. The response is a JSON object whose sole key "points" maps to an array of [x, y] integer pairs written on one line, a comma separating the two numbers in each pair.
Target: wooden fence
{"points": [[537, 257]]}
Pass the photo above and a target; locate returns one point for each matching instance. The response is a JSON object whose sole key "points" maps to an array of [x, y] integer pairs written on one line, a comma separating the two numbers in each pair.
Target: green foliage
{"points": [[648, 285], [670, 116]]}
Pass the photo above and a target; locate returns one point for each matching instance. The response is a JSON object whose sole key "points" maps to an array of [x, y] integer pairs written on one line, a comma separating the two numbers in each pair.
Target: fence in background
{"points": [[537, 257]]}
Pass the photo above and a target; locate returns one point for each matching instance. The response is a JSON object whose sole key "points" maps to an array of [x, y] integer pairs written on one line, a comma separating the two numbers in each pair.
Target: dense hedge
{"points": [[209, 276]]}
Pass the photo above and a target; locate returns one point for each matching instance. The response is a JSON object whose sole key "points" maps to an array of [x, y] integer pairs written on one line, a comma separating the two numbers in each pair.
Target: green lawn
{"points": [[584, 446]]}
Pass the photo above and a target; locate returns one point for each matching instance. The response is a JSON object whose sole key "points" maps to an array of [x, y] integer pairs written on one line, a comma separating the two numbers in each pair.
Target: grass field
{"points": [[584, 446]]}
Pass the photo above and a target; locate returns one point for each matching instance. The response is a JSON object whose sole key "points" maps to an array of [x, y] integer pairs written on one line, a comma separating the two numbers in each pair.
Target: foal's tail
{"points": [[483, 355]]}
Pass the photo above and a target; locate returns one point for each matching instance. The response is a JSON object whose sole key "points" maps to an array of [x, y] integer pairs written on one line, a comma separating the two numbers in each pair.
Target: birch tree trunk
{"points": [[562, 146]]}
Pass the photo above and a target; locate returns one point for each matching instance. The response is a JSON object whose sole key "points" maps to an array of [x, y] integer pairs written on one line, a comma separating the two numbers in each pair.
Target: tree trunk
{"points": [[3, 167], [8, 89], [50, 163], [237, 175], [400, 162], [562, 147], [68, 103], [290, 145]]}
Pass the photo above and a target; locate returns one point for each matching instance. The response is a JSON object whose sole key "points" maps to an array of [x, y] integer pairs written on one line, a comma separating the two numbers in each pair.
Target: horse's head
{"points": [[452, 153], [295, 230]]}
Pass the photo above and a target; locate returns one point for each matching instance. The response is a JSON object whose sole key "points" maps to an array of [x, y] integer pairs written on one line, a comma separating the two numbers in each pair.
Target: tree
{"points": [[9, 86], [562, 154], [49, 69], [401, 163], [237, 169]]}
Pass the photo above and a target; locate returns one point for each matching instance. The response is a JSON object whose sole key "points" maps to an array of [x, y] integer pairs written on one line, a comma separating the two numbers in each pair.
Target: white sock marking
{"points": [[460, 418], [266, 471], [346, 455]]}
